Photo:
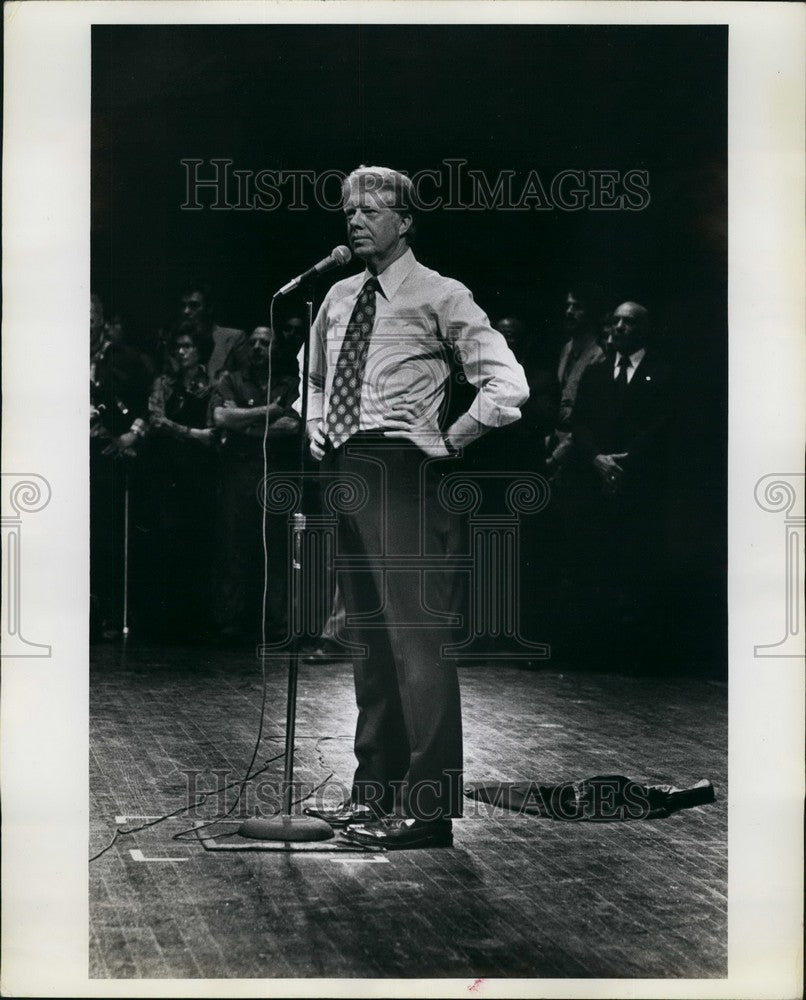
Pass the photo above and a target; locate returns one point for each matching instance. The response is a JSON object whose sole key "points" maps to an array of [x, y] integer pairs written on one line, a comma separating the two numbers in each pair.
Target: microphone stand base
{"points": [[286, 828]]}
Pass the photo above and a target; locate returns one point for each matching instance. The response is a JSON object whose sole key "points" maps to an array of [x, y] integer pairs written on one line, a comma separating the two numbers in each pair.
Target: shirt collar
{"points": [[393, 277], [635, 358]]}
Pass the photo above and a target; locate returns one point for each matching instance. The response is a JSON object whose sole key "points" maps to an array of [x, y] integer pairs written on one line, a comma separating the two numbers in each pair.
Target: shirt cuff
{"points": [[492, 414]]}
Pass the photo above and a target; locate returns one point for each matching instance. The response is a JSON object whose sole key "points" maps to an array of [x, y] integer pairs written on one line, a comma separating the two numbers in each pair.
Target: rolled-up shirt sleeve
{"points": [[488, 363], [421, 318]]}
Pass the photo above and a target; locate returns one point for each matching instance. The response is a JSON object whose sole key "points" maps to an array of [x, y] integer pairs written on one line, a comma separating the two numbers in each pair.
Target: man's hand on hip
{"points": [[403, 421]]}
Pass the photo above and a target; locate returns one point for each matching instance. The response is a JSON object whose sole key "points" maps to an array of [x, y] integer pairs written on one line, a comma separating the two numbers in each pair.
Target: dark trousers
{"points": [[612, 567], [398, 591]]}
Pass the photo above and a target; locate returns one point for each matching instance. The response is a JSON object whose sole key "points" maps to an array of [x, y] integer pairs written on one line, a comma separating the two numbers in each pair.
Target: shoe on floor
{"points": [[395, 833], [341, 816]]}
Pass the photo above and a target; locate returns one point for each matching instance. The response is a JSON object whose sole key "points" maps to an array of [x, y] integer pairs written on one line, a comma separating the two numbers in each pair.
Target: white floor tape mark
{"points": [[137, 855], [360, 861]]}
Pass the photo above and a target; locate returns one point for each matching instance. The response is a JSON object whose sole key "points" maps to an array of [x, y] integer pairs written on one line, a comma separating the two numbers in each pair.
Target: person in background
{"points": [[620, 429], [242, 404], [292, 331], [539, 412], [579, 352], [226, 347], [180, 462], [499, 458], [605, 338], [119, 383]]}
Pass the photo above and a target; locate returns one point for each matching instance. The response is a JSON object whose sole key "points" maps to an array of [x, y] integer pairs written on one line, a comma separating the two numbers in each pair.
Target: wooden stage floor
{"points": [[517, 896]]}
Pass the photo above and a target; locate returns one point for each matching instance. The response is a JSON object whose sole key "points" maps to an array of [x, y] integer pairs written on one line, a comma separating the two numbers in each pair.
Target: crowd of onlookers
{"points": [[180, 434], [177, 452]]}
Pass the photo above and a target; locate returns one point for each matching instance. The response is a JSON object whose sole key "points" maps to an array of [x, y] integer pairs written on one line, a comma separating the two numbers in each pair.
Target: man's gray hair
{"points": [[384, 180]]}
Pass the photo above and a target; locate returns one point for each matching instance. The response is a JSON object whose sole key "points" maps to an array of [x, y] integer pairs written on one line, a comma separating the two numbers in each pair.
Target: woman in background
{"points": [[181, 463]]}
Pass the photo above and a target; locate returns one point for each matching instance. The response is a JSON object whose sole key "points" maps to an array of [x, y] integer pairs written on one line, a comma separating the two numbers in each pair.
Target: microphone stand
{"points": [[283, 826], [125, 627]]}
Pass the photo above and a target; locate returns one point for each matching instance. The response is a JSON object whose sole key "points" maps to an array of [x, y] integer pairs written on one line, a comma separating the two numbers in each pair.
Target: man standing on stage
{"points": [[579, 352], [618, 484], [381, 352]]}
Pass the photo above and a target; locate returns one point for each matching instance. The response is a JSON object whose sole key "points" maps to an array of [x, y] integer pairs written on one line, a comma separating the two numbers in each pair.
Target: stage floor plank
{"points": [[517, 896]]}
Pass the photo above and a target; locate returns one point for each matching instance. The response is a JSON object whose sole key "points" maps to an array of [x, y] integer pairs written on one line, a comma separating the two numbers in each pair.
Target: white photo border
{"points": [[46, 232]]}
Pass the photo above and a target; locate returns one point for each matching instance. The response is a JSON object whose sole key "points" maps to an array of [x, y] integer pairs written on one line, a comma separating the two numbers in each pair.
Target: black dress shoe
{"points": [[396, 834], [347, 812]]}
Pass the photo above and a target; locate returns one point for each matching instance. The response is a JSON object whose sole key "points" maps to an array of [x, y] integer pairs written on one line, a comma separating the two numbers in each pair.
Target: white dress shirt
{"points": [[420, 317], [635, 360]]}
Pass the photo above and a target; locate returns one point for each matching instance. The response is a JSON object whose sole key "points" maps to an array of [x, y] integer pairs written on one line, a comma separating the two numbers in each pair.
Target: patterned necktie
{"points": [[345, 397]]}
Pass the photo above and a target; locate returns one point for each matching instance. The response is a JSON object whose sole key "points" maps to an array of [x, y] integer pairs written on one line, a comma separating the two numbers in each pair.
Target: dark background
{"points": [[503, 97]]}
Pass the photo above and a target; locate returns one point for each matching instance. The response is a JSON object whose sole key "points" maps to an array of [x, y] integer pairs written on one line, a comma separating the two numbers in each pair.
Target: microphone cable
{"points": [[203, 796], [261, 498], [249, 774]]}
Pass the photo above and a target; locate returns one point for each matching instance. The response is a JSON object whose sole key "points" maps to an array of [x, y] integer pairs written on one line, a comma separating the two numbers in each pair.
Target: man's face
{"points": [[630, 327], [193, 306], [374, 229], [259, 348], [513, 332], [575, 317], [293, 332]]}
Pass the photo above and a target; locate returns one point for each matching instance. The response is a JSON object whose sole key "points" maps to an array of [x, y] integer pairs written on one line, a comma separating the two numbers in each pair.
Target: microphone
{"points": [[338, 258]]}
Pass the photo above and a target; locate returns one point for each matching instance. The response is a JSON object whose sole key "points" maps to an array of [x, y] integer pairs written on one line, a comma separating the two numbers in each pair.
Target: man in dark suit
{"points": [[619, 426]]}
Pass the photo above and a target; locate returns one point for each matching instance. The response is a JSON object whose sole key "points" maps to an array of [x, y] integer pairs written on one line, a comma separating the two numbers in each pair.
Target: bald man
{"points": [[614, 434], [620, 422]]}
